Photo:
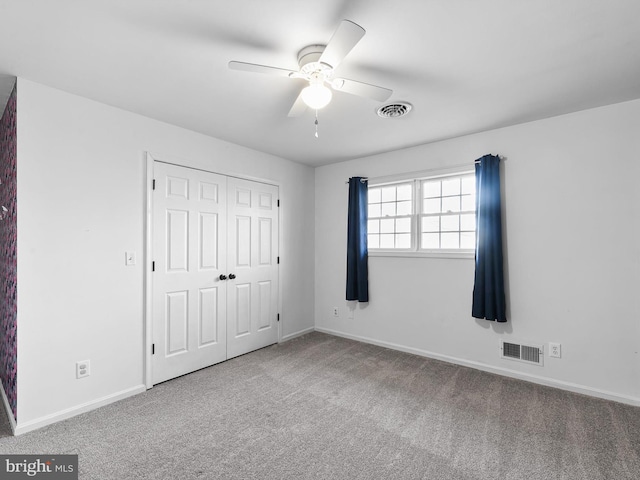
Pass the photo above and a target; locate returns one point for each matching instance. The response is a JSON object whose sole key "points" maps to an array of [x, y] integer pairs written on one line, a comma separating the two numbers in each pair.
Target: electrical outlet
{"points": [[83, 368], [336, 312], [555, 350]]}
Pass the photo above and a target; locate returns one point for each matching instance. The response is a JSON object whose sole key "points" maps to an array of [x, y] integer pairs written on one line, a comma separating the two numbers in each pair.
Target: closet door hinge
{"points": [[278, 202], [278, 260], [278, 317], [153, 349], [154, 184], [153, 266]]}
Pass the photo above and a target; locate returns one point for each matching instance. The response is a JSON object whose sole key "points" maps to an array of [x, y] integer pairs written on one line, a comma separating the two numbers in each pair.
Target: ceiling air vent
{"points": [[523, 353], [394, 110]]}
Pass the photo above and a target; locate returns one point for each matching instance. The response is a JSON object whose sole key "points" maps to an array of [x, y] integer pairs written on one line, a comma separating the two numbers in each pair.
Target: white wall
{"points": [[572, 238], [81, 193]]}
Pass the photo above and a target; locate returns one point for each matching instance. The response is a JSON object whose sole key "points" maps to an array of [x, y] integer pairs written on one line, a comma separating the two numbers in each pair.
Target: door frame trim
{"points": [[151, 159]]}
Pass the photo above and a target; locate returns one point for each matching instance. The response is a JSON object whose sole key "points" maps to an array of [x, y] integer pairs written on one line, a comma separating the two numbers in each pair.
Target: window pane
{"points": [[451, 204], [430, 224], [386, 241], [374, 210], [404, 192], [373, 241], [373, 195], [403, 240], [450, 223], [469, 184], [431, 205], [404, 208], [468, 202], [468, 240], [403, 225], [387, 225], [468, 222], [450, 240], [431, 189], [430, 240], [389, 194], [388, 209], [373, 226], [451, 187]]}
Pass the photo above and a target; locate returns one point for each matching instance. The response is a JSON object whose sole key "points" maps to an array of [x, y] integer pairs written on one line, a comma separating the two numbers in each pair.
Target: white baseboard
{"points": [[549, 382], [7, 408], [297, 334], [77, 410]]}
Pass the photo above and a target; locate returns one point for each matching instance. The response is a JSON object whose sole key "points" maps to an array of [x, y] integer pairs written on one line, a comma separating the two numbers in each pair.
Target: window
{"points": [[428, 215], [390, 216], [448, 217]]}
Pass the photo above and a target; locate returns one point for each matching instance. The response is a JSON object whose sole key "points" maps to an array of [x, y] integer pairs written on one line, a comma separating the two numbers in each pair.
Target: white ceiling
{"points": [[465, 65]]}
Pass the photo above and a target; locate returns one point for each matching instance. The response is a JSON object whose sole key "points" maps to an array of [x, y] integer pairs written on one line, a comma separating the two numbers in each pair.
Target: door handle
{"points": [[232, 276], [222, 276]]}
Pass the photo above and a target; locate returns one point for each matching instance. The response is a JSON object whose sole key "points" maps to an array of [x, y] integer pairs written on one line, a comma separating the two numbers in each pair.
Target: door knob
{"points": [[222, 277], [232, 276]]}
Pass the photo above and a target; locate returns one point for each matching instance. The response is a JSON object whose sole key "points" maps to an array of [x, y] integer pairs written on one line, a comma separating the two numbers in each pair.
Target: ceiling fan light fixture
{"points": [[316, 96]]}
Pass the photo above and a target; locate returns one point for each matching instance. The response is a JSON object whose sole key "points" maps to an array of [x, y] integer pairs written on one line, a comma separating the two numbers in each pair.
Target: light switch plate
{"points": [[130, 258]]}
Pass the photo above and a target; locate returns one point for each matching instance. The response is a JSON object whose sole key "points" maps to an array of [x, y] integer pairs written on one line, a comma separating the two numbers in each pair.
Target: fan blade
{"points": [[346, 36], [361, 89], [298, 108], [252, 67]]}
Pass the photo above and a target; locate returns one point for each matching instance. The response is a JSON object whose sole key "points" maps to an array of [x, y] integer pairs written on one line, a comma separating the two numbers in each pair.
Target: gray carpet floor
{"points": [[329, 408]]}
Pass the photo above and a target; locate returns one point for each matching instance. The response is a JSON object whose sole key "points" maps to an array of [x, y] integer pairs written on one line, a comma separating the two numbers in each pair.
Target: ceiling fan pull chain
{"points": [[316, 122]]}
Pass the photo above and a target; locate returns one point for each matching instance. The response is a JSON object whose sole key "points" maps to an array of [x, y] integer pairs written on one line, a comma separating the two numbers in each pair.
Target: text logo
{"points": [[49, 467]]}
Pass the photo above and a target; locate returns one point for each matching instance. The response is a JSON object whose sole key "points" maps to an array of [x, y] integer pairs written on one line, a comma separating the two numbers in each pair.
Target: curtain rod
{"points": [[499, 156], [364, 179], [472, 163]]}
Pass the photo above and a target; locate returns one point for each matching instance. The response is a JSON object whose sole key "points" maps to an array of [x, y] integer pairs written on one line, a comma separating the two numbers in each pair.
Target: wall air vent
{"points": [[394, 110], [521, 352]]}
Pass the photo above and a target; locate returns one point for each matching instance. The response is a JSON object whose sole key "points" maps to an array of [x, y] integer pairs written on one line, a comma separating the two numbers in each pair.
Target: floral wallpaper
{"points": [[8, 254]]}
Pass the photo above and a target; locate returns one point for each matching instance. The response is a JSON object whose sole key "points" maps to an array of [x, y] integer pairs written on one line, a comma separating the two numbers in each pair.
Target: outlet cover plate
{"points": [[83, 368]]}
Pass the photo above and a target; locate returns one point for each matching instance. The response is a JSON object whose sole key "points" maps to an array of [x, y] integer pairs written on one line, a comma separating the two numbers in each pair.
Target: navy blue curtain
{"points": [[357, 254], [488, 288]]}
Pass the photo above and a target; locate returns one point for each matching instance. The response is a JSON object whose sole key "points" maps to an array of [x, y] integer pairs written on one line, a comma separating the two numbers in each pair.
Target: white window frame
{"points": [[411, 216], [416, 178]]}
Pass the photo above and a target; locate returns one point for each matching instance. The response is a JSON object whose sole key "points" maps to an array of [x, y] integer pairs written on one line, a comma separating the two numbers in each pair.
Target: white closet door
{"points": [[252, 252], [189, 251]]}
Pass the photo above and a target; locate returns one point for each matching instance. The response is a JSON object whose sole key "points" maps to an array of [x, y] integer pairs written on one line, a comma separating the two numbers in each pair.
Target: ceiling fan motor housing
{"points": [[308, 60]]}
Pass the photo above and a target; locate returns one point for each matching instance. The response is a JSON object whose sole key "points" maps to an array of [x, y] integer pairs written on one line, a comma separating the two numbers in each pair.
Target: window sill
{"points": [[464, 254]]}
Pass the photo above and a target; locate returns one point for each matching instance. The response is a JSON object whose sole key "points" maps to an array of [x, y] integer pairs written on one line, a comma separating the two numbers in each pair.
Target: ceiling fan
{"points": [[317, 65]]}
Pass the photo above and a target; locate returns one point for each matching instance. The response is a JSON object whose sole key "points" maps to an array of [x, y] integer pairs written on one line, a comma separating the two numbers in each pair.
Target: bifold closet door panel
{"points": [[252, 259], [189, 252]]}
